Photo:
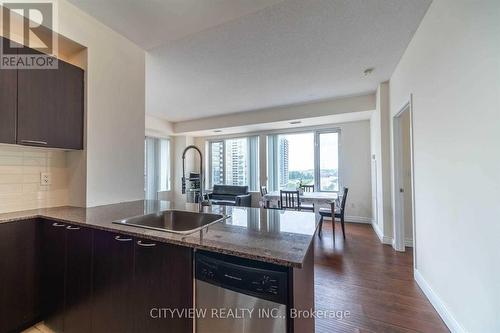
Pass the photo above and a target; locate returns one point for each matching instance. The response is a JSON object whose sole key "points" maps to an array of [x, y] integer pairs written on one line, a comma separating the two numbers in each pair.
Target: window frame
{"points": [[317, 158], [209, 185], [157, 161], [317, 171]]}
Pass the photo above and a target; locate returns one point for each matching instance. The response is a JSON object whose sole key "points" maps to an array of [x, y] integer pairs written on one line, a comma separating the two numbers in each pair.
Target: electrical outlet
{"points": [[45, 178]]}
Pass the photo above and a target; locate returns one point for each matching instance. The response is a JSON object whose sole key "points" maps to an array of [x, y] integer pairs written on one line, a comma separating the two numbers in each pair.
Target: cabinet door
{"points": [[19, 275], [112, 283], [77, 305], [8, 103], [163, 278], [50, 107], [53, 274]]}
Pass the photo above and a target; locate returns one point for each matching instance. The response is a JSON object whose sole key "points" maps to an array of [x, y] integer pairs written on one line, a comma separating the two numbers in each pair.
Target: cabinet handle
{"points": [[140, 243], [232, 277], [55, 224], [72, 228], [118, 238], [34, 142]]}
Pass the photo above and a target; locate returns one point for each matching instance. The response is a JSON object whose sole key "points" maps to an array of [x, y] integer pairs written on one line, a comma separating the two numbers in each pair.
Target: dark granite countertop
{"points": [[280, 237]]}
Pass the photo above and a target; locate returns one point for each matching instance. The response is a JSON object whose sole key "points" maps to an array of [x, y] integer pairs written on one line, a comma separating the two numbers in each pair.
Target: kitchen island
{"points": [[94, 255]]}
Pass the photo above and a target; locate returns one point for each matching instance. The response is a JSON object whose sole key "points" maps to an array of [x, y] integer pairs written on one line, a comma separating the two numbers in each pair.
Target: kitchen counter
{"points": [[275, 236]]}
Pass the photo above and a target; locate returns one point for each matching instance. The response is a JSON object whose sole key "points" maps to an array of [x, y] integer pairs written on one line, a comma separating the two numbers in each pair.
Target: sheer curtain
{"points": [[272, 162], [253, 163], [156, 166]]}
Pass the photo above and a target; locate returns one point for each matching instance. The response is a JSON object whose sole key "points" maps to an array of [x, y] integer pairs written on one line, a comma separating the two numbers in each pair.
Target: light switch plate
{"points": [[45, 178]]}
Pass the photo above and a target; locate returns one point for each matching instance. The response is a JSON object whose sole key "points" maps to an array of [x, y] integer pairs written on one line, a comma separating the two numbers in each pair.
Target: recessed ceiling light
{"points": [[295, 122], [368, 71], [217, 131]]}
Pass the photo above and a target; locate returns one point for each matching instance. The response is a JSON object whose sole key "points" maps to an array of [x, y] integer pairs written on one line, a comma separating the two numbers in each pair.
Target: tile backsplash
{"points": [[20, 169]]}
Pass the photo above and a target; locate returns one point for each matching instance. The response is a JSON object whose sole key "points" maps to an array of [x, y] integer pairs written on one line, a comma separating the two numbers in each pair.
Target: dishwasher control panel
{"points": [[242, 275]]}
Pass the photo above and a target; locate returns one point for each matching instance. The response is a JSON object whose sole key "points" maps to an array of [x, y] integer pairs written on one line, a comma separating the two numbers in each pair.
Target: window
{"points": [[217, 162], [156, 166], [294, 160], [234, 162], [328, 157], [309, 158]]}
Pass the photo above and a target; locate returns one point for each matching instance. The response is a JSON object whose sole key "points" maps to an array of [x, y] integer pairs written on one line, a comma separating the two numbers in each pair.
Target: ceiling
{"points": [[286, 125], [149, 23], [218, 57]]}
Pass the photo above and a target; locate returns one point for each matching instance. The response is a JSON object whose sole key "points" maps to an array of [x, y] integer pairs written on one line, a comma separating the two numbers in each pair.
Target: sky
{"points": [[301, 151]]}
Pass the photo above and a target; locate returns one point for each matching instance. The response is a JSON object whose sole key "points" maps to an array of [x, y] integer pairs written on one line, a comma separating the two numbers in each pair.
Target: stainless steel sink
{"points": [[175, 221]]}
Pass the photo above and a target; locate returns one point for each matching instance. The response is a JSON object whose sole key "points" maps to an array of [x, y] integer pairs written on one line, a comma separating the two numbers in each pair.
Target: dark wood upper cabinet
{"points": [[8, 104], [50, 109]]}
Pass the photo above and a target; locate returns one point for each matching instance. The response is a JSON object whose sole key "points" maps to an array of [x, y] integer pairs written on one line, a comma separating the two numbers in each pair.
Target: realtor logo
{"points": [[29, 39]]}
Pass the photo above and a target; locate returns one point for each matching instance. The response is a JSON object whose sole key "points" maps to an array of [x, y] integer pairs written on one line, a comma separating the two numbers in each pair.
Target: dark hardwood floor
{"points": [[372, 282]]}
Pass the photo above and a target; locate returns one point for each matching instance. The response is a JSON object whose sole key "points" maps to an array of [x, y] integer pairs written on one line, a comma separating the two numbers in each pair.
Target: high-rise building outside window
{"points": [[217, 162], [306, 158], [234, 161]]}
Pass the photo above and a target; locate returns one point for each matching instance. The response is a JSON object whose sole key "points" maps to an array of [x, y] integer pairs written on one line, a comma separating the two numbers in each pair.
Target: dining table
{"points": [[319, 199]]}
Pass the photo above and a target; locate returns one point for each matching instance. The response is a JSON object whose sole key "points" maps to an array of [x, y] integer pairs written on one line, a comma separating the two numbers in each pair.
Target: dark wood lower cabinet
{"points": [[19, 275], [163, 279], [66, 277], [112, 283], [77, 304], [53, 273], [80, 280]]}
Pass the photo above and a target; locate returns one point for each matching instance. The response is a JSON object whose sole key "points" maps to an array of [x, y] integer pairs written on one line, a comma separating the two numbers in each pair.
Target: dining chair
{"points": [[289, 200], [307, 188], [333, 213], [307, 206], [263, 192], [310, 189]]}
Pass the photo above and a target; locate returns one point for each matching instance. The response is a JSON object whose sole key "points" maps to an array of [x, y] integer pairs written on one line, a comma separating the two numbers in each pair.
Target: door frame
{"points": [[399, 225]]}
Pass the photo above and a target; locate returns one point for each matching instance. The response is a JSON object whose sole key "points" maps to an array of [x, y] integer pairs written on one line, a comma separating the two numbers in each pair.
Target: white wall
{"points": [[336, 106], [380, 165], [452, 68], [354, 165], [115, 108], [158, 127], [355, 170], [110, 169]]}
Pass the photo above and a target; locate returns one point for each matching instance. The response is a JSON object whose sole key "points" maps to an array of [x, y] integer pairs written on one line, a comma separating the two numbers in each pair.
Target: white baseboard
{"points": [[408, 242], [438, 304], [383, 239], [359, 219]]}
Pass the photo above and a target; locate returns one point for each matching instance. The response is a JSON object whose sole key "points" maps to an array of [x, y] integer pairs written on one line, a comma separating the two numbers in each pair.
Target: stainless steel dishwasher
{"points": [[239, 295]]}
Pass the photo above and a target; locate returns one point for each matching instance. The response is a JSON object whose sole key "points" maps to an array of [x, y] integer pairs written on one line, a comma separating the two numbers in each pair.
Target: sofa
{"points": [[230, 195]]}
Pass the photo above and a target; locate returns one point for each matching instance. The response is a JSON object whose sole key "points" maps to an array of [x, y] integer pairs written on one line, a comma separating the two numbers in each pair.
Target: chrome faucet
{"points": [[201, 197]]}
